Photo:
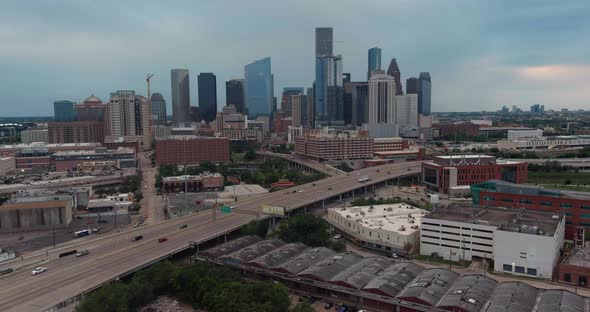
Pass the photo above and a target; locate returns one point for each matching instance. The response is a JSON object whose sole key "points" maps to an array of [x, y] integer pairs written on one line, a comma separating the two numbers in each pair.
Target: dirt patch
{"points": [[167, 304]]}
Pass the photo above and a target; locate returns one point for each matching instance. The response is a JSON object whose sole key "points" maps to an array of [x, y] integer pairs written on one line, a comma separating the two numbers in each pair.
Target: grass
{"points": [[559, 178]]}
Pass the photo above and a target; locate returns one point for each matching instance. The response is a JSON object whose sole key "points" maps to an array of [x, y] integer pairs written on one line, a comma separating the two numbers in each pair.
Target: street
{"points": [[152, 205]]}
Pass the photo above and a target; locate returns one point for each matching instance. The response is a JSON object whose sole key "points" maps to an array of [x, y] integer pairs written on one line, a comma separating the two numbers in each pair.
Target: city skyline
{"points": [[506, 52]]}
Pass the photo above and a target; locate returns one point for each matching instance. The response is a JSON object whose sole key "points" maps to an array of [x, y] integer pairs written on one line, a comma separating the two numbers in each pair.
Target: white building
{"points": [[544, 142], [129, 115], [381, 99], [383, 227], [406, 110], [7, 165], [524, 133], [519, 242], [35, 135]]}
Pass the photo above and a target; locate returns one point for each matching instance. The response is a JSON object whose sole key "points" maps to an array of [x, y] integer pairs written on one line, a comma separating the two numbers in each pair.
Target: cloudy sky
{"points": [[481, 54]]}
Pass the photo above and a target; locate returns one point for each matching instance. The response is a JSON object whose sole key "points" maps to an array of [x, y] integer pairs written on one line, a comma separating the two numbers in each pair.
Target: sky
{"points": [[480, 54]]}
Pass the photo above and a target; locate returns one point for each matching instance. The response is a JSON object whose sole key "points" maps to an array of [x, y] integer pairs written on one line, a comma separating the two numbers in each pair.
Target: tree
{"points": [[110, 298], [305, 228], [255, 228], [303, 307], [250, 155]]}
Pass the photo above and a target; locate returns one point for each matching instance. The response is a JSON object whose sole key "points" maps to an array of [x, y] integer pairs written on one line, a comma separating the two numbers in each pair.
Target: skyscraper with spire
{"points": [[393, 71]]}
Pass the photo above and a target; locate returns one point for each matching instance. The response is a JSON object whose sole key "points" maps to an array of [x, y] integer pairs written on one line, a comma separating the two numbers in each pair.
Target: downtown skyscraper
{"points": [[234, 94], [394, 72], [258, 88], [424, 94], [328, 85], [207, 96], [180, 89], [374, 61]]}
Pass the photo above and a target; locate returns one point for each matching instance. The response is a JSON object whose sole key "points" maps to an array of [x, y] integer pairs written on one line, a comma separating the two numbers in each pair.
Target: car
{"points": [[328, 305], [82, 253], [392, 255], [39, 270], [103, 221], [300, 191], [295, 191], [329, 189], [136, 238], [337, 236], [162, 239], [409, 169], [184, 226], [287, 192], [313, 184], [5, 271]]}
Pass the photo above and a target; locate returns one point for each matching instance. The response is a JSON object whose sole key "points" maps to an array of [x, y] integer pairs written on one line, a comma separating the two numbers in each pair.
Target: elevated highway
{"points": [[114, 255], [307, 165]]}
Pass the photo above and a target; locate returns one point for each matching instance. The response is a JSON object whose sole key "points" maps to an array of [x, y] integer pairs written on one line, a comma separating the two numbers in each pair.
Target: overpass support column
{"points": [[323, 204]]}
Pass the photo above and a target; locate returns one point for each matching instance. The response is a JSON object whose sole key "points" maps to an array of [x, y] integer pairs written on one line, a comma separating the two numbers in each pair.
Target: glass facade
{"points": [[258, 86], [234, 94], [207, 96], [180, 88], [328, 93], [64, 111], [424, 94], [158, 109], [374, 61]]}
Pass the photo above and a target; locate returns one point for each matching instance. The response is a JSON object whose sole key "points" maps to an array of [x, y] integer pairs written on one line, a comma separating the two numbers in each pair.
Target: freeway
{"points": [[114, 255], [314, 165]]}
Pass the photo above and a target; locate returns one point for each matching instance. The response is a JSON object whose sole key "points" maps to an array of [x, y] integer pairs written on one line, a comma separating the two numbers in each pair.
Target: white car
{"points": [[39, 270]]}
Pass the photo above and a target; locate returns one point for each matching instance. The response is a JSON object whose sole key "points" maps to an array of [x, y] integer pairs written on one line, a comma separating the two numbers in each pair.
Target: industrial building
{"points": [[30, 212], [544, 142], [575, 205], [453, 174], [13, 149], [191, 150], [379, 284], [192, 183], [520, 242], [390, 228]]}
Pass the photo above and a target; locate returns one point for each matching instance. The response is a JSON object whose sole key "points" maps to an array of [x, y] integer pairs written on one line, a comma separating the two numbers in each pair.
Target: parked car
{"points": [[136, 238], [82, 253], [337, 236], [39, 270]]}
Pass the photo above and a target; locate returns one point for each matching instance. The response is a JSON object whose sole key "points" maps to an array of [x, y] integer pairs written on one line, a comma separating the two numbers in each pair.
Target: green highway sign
{"points": [[226, 209]]}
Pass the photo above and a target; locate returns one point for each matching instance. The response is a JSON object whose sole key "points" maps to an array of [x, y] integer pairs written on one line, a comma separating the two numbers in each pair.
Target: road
{"points": [[317, 166], [152, 205], [114, 255]]}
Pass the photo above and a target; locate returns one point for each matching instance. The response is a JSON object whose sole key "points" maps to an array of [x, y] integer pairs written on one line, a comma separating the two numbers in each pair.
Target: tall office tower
{"points": [[360, 104], [234, 94], [207, 96], [310, 109], [181, 100], [345, 77], [286, 103], [323, 41], [129, 115], [328, 89], [92, 109], [348, 105], [158, 109], [374, 61], [412, 85], [63, 111], [299, 110], [424, 94], [406, 110], [381, 99], [258, 84], [393, 71]]}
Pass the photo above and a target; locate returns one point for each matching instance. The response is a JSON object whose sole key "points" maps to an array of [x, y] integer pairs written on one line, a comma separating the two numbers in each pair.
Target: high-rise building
{"points": [[234, 94], [310, 109], [180, 88], [374, 61], [158, 109], [412, 85], [381, 99], [323, 41], [63, 111], [349, 114], [360, 104], [129, 115], [299, 110], [258, 84], [286, 104], [328, 89], [207, 96], [92, 109], [424, 94], [393, 71], [345, 77], [406, 110], [86, 131]]}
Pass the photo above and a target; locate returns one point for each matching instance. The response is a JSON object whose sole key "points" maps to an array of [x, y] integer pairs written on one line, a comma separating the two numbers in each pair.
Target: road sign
{"points": [[273, 210], [226, 209]]}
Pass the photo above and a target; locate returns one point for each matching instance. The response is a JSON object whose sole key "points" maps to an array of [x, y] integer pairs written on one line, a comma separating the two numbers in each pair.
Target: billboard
{"points": [[273, 210]]}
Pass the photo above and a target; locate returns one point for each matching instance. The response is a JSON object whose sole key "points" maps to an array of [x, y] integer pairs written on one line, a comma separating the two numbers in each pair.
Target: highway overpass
{"points": [[303, 164], [114, 255]]}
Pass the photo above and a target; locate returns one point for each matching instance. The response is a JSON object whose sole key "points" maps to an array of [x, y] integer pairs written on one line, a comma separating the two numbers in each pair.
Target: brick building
{"points": [[447, 174], [390, 144], [98, 159], [191, 150], [322, 148], [575, 205], [193, 183], [458, 129], [76, 131]]}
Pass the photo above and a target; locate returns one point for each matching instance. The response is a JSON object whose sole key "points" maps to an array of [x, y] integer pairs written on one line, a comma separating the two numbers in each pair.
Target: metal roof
{"points": [[279, 256], [559, 300], [253, 251], [329, 267], [469, 293], [231, 246], [512, 297], [361, 273], [304, 260], [391, 280], [430, 286]]}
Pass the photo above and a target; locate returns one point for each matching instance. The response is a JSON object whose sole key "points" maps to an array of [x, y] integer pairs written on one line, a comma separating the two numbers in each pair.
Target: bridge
{"points": [[112, 256], [303, 164]]}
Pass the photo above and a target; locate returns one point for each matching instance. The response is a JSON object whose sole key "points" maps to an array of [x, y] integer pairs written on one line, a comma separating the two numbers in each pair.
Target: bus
{"points": [[81, 233]]}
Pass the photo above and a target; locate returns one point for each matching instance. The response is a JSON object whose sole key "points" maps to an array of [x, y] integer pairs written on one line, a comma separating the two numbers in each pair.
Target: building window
{"points": [[565, 205], [507, 200], [585, 207], [547, 204], [567, 277], [488, 198], [585, 215], [519, 269], [507, 268], [531, 271], [526, 201]]}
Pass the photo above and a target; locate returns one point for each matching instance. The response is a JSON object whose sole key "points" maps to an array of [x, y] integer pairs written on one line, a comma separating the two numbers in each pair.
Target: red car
{"points": [[162, 239]]}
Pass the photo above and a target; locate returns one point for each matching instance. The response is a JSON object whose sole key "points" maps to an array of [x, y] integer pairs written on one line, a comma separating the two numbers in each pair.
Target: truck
{"points": [[364, 178], [81, 233]]}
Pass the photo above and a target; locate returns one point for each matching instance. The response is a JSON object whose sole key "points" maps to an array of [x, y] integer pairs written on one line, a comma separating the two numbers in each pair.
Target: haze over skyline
{"points": [[480, 55]]}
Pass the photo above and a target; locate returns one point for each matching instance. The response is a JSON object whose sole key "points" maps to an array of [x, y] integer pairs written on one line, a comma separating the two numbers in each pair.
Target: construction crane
{"points": [[147, 79]]}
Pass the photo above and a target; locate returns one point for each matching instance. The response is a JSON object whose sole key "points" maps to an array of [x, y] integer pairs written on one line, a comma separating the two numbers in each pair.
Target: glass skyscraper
{"points": [[234, 94], [158, 109], [424, 94], [64, 111], [258, 86], [180, 88], [323, 41], [328, 93], [207, 96], [374, 61]]}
